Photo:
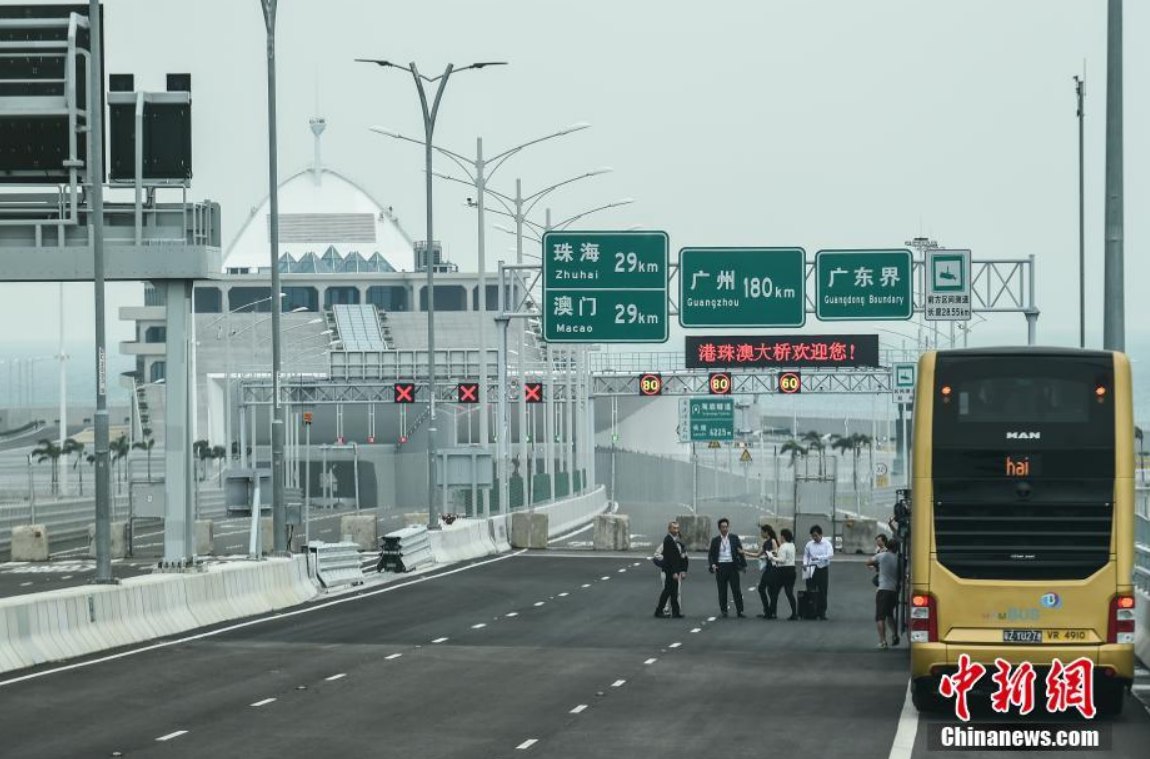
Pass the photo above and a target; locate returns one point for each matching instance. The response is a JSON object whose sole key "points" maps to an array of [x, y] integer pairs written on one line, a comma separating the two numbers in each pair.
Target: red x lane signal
{"points": [[405, 392], [468, 392], [533, 392]]}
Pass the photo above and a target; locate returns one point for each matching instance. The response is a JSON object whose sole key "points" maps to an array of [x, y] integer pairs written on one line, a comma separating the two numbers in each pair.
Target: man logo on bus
{"points": [[1024, 436], [1051, 601]]}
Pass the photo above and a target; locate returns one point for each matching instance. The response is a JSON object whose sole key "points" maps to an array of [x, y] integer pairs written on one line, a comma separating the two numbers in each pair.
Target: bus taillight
{"points": [[1121, 627], [923, 618]]}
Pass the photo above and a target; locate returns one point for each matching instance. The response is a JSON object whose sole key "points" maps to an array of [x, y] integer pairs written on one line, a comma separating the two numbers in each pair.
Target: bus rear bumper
{"points": [[1112, 662]]}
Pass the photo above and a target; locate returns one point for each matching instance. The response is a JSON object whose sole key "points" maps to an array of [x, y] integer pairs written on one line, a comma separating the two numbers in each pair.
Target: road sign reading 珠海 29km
{"points": [[742, 287], [863, 285], [706, 419], [605, 287]]}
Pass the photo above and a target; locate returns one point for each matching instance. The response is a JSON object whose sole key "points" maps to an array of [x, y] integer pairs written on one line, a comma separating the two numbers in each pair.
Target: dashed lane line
{"points": [[392, 657], [440, 640], [697, 629], [527, 744], [650, 661], [339, 676], [479, 626], [265, 702], [169, 736], [540, 603], [578, 709], [618, 683], [674, 645], [511, 614]]}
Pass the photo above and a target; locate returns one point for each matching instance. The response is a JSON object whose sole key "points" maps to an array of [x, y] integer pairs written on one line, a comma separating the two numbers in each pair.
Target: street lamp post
{"points": [[279, 513], [479, 172], [1080, 91], [429, 115]]}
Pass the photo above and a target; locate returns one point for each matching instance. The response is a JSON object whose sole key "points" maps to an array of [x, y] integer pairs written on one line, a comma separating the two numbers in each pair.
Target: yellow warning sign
{"points": [[714, 444], [746, 457]]}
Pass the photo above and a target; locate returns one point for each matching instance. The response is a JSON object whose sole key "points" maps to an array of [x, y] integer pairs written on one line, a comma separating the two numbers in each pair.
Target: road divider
{"points": [[72, 622]]}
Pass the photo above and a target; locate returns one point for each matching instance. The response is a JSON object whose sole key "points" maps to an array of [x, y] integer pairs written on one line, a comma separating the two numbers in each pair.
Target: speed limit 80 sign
{"points": [[650, 384], [720, 383], [790, 383]]}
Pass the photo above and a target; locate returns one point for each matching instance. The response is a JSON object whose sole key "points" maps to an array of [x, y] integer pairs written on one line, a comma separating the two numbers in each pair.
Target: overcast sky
{"points": [[818, 123]]}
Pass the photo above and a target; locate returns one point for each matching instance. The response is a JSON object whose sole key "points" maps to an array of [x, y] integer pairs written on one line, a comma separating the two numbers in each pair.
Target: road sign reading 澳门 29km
{"points": [[742, 287], [863, 285], [605, 287]]}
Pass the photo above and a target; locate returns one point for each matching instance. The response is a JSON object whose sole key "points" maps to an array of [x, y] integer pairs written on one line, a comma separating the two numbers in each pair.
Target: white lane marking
{"points": [[512, 614], [392, 656], [710, 619], [697, 629], [527, 744], [563, 595], [336, 677], [578, 709], [265, 702], [25, 584], [67, 577], [440, 640], [260, 621], [903, 746], [586, 585], [637, 563], [674, 645], [624, 569], [618, 683], [605, 577], [479, 626], [650, 661], [540, 603], [169, 736]]}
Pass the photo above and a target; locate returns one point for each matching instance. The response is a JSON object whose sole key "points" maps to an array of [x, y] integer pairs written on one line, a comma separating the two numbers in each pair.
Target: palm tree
{"points": [[46, 450], [146, 445], [795, 448], [119, 448], [73, 447], [815, 443]]}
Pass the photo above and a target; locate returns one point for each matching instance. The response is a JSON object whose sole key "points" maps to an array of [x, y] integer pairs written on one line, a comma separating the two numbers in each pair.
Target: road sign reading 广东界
{"points": [[605, 287], [742, 287], [947, 296], [863, 285]]}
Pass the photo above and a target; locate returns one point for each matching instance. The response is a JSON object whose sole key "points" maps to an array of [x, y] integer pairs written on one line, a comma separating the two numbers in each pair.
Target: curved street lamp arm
{"points": [[568, 222], [533, 200], [498, 160]]}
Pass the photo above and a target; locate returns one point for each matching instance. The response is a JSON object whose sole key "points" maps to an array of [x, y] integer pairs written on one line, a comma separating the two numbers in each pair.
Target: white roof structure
{"points": [[321, 209]]}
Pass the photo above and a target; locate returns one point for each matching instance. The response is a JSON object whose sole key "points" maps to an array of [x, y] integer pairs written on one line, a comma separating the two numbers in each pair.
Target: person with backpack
{"points": [[672, 560]]}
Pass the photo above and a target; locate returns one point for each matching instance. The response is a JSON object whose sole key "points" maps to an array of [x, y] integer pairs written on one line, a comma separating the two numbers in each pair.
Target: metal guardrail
{"points": [[1142, 553], [406, 549], [336, 563]]}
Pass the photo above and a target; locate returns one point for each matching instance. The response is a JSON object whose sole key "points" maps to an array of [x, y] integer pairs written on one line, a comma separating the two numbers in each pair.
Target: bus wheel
{"points": [[1109, 700], [924, 695]]}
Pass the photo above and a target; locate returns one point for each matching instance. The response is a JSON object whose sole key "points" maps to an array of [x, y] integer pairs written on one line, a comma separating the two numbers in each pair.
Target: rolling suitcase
{"points": [[808, 604]]}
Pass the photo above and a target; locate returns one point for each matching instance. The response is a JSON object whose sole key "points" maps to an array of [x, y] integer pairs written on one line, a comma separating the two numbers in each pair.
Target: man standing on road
{"points": [[727, 561], [817, 561], [674, 571]]}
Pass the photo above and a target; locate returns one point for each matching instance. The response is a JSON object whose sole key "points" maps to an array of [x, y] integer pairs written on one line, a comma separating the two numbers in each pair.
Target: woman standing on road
{"points": [[770, 545], [783, 575]]}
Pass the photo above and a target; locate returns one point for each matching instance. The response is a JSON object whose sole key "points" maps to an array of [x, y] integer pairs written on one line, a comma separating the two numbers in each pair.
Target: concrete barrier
{"points": [[572, 513], [500, 532], [462, 541], [858, 534], [119, 540], [62, 624], [529, 530], [695, 532], [205, 537], [612, 532], [30, 543], [361, 529]]}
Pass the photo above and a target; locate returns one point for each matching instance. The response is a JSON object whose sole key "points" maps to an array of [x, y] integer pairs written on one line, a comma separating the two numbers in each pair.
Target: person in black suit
{"points": [[674, 571], [726, 560]]}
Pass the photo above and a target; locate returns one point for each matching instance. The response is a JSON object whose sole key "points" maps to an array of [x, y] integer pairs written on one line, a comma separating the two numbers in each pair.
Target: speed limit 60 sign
{"points": [[790, 383]]}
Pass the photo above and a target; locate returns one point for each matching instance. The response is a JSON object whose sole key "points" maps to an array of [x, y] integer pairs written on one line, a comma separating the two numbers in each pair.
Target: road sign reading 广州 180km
{"points": [[742, 287], [863, 285], [605, 287]]}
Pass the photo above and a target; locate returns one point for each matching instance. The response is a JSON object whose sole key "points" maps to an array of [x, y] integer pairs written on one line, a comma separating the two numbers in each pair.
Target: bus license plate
{"points": [[1021, 636]]}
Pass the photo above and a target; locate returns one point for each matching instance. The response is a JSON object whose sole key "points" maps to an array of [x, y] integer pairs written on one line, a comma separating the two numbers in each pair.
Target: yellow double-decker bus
{"points": [[1022, 520]]}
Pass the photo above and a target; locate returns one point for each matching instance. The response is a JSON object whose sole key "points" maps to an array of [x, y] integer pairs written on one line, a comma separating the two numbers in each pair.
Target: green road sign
{"points": [[742, 287], [947, 296], [903, 381], [706, 419], [605, 287], [863, 285]]}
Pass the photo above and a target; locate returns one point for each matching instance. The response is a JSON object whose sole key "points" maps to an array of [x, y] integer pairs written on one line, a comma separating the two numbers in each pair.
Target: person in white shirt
{"points": [[783, 576], [817, 568]]}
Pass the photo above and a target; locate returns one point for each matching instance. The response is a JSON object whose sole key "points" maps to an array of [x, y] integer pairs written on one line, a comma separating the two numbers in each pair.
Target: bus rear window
{"points": [[1022, 400]]}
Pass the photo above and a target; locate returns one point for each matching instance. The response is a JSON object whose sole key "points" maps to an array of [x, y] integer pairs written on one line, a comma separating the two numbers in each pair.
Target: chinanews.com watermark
{"points": [[1014, 737]]}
